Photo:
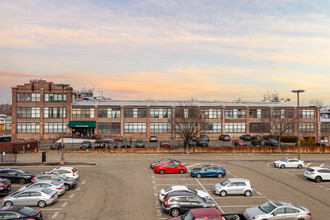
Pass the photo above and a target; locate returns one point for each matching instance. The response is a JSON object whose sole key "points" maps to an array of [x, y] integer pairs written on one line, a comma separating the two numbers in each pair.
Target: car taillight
{"points": [[312, 173], [30, 219], [52, 196], [72, 172], [251, 187], [2, 185], [310, 214], [166, 203], [163, 194], [58, 188], [32, 179]]}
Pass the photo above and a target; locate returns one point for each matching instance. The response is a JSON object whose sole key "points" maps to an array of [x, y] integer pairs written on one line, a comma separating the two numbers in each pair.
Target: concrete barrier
{"points": [[240, 150]]}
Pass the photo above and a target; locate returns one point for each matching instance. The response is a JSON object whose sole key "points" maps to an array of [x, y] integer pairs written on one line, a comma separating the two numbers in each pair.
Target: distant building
{"points": [[6, 121], [37, 114], [325, 124]]}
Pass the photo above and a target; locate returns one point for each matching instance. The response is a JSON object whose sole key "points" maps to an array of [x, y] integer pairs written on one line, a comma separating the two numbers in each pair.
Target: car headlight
{"points": [[213, 205], [219, 187]]}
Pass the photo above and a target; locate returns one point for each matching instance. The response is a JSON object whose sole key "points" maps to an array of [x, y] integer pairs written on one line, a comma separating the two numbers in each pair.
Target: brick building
{"points": [[37, 115]]}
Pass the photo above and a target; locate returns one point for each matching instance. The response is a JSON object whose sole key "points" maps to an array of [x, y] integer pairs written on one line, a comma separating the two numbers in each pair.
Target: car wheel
{"points": [[299, 166], [247, 193], [175, 212], [318, 179], [41, 204], [223, 193], [181, 171], [198, 175], [8, 203], [161, 172], [67, 187], [282, 166], [22, 181], [220, 175]]}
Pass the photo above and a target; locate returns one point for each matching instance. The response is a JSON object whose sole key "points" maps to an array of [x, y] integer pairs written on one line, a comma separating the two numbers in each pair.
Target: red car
{"points": [[239, 142], [169, 167], [200, 213], [165, 144]]}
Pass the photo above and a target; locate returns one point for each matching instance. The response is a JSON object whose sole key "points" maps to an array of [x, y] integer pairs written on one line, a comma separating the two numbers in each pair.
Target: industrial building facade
{"points": [[37, 114]]}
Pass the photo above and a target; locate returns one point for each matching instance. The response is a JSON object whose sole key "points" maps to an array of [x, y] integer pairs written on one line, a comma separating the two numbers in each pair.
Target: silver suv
{"points": [[317, 173], [233, 186], [181, 202]]}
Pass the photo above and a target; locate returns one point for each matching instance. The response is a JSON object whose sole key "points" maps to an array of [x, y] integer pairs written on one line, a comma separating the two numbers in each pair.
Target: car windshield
{"points": [[85, 142], [192, 190], [46, 190], [26, 210], [20, 171], [62, 177], [168, 189], [112, 142], [187, 216], [224, 183], [165, 141], [55, 183], [285, 160], [139, 141], [267, 207]]}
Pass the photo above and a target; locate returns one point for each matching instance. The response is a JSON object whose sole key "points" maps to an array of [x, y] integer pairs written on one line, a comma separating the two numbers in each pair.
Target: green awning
{"points": [[82, 124]]}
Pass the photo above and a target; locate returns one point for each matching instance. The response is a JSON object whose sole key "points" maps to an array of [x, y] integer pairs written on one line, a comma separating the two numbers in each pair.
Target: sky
{"points": [[169, 49]]}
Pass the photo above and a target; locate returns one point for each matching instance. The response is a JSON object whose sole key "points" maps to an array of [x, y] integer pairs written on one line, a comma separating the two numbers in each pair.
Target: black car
{"points": [[126, 144], [224, 137], [16, 175], [5, 187], [180, 202], [192, 143], [201, 142], [85, 145], [204, 136], [112, 144], [20, 212], [245, 137], [139, 143], [99, 144], [56, 146]]}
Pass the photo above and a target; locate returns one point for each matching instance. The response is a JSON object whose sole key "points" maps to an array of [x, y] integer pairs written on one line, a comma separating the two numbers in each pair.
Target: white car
{"points": [[317, 174], [50, 184], [289, 162], [233, 186], [70, 172], [164, 192]]}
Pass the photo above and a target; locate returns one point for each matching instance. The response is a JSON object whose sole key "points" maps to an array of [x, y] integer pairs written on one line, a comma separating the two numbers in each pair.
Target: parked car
{"points": [[16, 175], [164, 143], [69, 172], [68, 182], [200, 214], [208, 171], [289, 162], [165, 191], [257, 137], [126, 144], [153, 139], [31, 197], [233, 186], [169, 167], [112, 144], [204, 136], [56, 146], [20, 212], [239, 142], [58, 187], [192, 143], [5, 186], [317, 174], [245, 137], [278, 210], [85, 145], [202, 142], [271, 142], [99, 144], [224, 137], [181, 202], [164, 160], [140, 143]]}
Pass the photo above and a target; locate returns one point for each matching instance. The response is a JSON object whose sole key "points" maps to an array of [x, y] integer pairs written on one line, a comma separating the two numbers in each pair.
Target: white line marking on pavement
{"points": [[156, 194], [78, 188], [64, 204], [320, 186], [234, 175], [322, 165], [269, 164], [55, 214], [158, 213], [327, 189], [83, 182], [193, 165], [308, 164], [189, 184], [155, 187], [153, 182], [233, 206], [251, 197], [72, 195], [152, 177], [258, 192]]}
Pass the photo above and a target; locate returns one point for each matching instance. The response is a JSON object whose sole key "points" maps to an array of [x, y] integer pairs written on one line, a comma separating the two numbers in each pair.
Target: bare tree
{"points": [[187, 123], [279, 123]]}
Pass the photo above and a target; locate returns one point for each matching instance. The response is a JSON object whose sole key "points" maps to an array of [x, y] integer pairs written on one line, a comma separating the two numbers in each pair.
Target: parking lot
{"points": [[124, 186]]}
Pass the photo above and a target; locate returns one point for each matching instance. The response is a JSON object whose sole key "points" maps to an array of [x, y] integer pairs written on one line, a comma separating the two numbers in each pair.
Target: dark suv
{"points": [[204, 136], [139, 143], [5, 186], [201, 142], [56, 146], [16, 175], [245, 137], [224, 137], [86, 144], [181, 202]]}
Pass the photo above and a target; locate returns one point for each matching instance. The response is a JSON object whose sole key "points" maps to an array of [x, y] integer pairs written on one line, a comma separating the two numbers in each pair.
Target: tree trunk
{"points": [[279, 145], [187, 147]]}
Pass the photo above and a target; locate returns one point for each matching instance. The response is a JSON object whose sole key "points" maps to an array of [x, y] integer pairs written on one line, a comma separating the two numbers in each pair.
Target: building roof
{"points": [[169, 103]]}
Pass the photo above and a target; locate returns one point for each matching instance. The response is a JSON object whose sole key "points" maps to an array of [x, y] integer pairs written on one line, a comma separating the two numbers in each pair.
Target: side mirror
{"points": [[274, 214]]}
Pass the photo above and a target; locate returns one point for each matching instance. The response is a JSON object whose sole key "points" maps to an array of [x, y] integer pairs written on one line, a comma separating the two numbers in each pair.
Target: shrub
{"points": [[302, 142], [310, 142], [289, 139]]}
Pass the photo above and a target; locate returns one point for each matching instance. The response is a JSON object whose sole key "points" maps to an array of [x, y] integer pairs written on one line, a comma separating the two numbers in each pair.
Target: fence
{"points": [[22, 147], [8, 157]]}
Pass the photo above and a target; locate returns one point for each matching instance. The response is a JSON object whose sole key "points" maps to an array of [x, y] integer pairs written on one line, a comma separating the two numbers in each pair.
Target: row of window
{"points": [[325, 127], [34, 112], [35, 97]]}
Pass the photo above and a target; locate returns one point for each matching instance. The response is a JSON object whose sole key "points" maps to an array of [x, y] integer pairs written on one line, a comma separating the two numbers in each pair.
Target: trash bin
{"points": [[256, 142], [43, 157]]}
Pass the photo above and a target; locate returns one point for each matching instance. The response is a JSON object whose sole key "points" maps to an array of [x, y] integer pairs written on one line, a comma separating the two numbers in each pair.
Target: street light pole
{"points": [[62, 114], [298, 91]]}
